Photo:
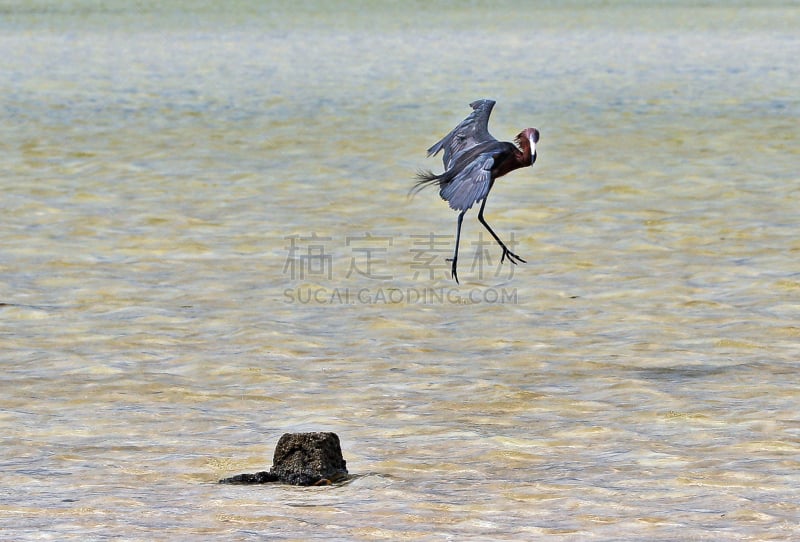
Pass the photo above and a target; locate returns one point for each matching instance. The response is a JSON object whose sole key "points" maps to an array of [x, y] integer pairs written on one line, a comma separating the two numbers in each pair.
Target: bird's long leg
{"points": [[458, 237], [513, 258]]}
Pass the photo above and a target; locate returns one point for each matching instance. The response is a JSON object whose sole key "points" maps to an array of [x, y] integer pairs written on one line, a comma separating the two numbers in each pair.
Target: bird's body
{"points": [[473, 160]]}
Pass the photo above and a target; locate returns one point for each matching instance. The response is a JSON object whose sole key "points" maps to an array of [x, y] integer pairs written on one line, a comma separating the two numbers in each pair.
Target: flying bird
{"points": [[473, 159]]}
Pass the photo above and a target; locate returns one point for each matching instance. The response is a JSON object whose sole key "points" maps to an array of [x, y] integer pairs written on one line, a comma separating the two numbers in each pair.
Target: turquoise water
{"points": [[207, 242]]}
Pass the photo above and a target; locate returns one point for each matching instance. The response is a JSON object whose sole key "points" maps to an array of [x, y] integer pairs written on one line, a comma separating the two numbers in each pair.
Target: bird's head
{"points": [[527, 140]]}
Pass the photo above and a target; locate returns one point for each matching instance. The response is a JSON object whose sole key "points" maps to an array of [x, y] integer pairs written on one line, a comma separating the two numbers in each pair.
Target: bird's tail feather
{"points": [[425, 178]]}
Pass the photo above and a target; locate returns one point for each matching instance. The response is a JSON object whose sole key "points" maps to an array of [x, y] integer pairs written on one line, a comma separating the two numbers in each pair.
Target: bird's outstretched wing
{"points": [[471, 184], [472, 130]]}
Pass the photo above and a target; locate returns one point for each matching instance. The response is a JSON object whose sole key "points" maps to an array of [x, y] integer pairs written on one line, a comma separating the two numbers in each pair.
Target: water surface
{"points": [[207, 242]]}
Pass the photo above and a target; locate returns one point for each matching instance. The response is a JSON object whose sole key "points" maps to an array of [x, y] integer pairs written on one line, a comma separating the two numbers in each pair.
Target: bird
{"points": [[473, 159]]}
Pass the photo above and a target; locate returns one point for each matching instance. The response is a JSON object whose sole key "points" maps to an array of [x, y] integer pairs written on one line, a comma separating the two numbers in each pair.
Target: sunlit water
{"points": [[207, 242]]}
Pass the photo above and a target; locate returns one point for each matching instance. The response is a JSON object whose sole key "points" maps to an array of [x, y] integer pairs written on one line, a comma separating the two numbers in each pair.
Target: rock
{"points": [[262, 477], [305, 459], [301, 459]]}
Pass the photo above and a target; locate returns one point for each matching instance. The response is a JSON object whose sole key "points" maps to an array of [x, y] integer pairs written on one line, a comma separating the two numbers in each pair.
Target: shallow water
{"points": [[207, 242]]}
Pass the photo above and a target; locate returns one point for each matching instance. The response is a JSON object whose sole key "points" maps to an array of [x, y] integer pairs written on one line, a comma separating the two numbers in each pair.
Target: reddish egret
{"points": [[473, 159]]}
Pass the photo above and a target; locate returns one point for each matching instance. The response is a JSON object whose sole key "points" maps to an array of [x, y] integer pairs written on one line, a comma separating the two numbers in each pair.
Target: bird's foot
{"points": [[453, 268], [513, 258]]}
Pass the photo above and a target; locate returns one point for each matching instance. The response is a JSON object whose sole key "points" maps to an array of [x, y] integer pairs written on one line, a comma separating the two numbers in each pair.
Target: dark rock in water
{"points": [[301, 459], [262, 477], [305, 459]]}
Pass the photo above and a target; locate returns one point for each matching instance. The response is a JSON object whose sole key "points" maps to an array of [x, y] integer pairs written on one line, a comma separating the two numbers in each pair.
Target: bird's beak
{"points": [[533, 150]]}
